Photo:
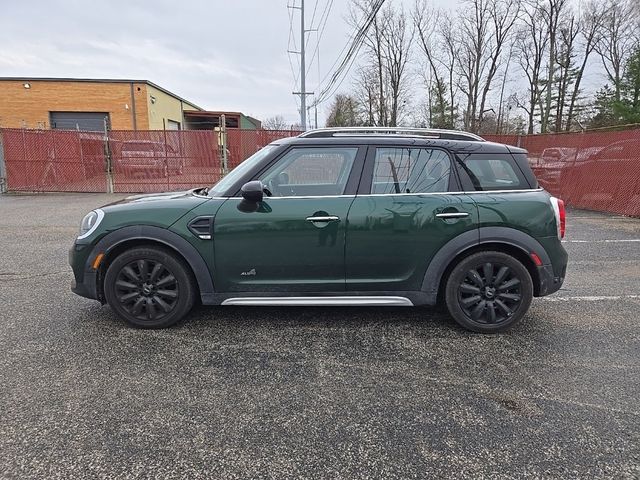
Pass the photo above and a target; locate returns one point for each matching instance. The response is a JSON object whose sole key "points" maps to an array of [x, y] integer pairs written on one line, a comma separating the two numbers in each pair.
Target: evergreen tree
{"points": [[628, 108], [440, 107], [344, 112], [604, 115], [611, 112]]}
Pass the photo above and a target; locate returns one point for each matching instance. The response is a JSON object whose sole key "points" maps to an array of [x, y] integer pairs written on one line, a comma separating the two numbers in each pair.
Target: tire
{"points": [[488, 306], [149, 287]]}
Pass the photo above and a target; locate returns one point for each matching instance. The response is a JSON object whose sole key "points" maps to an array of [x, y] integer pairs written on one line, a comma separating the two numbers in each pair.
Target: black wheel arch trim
{"points": [[158, 235], [474, 238]]}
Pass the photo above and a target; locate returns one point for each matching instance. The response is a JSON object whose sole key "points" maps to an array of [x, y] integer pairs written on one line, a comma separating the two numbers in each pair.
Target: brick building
{"points": [[69, 104]]}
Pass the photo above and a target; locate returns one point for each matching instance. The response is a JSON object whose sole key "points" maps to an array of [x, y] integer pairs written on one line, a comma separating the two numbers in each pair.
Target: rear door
{"points": [[408, 206], [292, 241]]}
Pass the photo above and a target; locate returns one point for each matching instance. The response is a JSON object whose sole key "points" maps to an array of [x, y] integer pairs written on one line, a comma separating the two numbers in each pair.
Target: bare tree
{"points": [[531, 44], [277, 122], [551, 12], [366, 91], [619, 37], [450, 39], [387, 47], [440, 64], [398, 38], [503, 17], [374, 55], [565, 55], [501, 103], [484, 34], [466, 61], [591, 22]]}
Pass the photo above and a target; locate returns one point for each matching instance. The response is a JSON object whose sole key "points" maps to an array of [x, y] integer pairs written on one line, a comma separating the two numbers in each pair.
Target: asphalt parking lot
{"points": [[315, 393]]}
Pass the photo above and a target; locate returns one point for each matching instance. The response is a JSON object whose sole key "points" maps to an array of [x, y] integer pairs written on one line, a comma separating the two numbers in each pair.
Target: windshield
{"points": [[234, 175]]}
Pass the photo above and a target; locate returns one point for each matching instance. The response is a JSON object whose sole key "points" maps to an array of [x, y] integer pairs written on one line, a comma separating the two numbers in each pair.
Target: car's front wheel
{"points": [[488, 292], [149, 287]]}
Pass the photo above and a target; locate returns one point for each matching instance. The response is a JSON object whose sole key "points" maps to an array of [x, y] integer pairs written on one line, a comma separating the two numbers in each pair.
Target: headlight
{"points": [[90, 222]]}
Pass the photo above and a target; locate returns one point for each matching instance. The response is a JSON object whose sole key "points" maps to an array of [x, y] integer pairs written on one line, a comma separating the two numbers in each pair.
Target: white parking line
{"points": [[628, 240], [590, 298]]}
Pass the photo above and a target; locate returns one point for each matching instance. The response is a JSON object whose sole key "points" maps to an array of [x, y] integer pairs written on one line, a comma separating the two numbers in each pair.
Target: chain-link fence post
{"points": [[166, 153], [3, 171], [107, 155], [223, 134]]}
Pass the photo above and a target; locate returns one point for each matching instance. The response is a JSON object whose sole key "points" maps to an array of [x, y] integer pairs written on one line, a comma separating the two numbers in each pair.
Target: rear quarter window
{"points": [[495, 172]]}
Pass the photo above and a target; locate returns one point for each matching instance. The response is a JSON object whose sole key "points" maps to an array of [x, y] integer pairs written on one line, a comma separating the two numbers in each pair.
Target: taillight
{"points": [[561, 216]]}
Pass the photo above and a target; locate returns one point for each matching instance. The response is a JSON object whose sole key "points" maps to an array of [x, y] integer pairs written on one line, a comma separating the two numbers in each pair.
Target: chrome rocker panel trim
{"points": [[351, 301]]}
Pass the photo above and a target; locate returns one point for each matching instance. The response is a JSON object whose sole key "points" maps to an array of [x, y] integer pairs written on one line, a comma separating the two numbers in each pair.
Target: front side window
{"points": [[321, 171], [237, 173], [410, 170]]}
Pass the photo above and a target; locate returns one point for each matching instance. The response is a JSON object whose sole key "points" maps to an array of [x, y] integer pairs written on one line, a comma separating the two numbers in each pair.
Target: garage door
{"points": [[91, 121]]}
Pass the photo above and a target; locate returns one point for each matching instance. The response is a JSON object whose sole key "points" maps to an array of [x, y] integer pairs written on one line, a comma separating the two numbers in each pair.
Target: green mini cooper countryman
{"points": [[369, 216]]}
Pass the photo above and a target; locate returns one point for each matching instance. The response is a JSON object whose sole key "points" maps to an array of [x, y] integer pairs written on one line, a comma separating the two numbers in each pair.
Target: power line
{"points": [[325, 15], [350, 55], [292, 39], [313, 16]]}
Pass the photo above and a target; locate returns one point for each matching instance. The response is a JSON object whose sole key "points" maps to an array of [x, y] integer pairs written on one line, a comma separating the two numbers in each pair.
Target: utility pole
{"points": [[303, 73], [303, 69]]}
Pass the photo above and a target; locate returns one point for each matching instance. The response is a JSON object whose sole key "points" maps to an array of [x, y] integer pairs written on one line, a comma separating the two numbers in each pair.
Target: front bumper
{"points": [[84, 282]]}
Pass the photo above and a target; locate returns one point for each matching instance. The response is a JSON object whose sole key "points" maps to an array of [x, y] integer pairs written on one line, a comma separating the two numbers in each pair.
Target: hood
{"points": [[158, 209], [155, 197]]}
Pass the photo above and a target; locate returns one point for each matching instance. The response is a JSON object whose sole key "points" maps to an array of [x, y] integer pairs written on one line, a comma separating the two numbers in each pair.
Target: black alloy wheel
{"points": [[149, 287], [489, 291], [146, 289]]}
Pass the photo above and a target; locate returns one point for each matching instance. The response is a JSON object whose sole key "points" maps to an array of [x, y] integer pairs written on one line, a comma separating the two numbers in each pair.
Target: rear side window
{"points": [[495, 172], [410, 170]]}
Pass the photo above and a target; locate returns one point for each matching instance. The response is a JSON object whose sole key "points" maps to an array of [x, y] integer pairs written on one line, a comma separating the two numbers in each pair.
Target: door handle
{"points": [[323, 218], [452, 215]]}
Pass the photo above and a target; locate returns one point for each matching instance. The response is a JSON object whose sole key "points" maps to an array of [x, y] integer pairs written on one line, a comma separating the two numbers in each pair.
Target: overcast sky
{"points": [[221, 55]]}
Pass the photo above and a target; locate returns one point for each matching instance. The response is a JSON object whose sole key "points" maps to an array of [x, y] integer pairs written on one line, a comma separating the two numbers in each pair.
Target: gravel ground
{"points": [[315, 392]]}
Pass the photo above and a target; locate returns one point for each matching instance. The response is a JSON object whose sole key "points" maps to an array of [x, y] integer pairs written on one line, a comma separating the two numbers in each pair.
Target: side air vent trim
{"points": [[202, 227]]}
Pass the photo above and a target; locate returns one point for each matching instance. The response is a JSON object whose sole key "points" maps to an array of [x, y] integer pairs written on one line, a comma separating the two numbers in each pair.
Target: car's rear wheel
{"points": [[149, 287], [488, 292]]}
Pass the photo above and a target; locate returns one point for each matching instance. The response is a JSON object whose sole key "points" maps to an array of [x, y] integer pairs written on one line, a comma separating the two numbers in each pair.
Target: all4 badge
{"points": [[249, 273]]}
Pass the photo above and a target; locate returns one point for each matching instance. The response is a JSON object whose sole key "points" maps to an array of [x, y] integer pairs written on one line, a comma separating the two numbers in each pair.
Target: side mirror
{"points": [[253, 191]]}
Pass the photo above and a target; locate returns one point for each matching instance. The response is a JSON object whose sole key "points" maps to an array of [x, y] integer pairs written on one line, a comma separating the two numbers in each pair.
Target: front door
{"points": [[292, 241], [403, 217]]}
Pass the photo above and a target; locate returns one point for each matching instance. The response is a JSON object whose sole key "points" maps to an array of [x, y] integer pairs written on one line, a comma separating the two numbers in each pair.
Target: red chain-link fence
{"points": [[54, 160], [157, 160], [592, 170], [124, 161], [596, 171]]}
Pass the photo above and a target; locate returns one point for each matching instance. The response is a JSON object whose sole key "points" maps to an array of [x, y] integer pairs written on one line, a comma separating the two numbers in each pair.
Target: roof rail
{"points": [[392, 131]]}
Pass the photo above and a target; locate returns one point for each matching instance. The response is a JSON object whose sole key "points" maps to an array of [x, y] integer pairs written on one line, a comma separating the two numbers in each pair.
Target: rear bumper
{"points": [[549, 282], [552, 276]]}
